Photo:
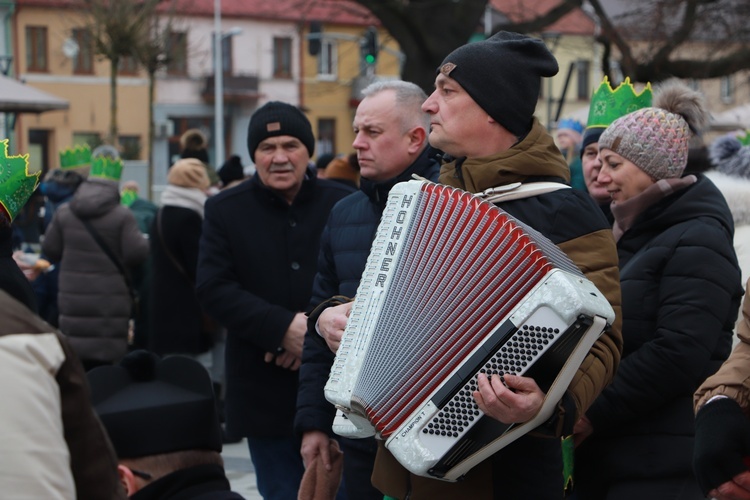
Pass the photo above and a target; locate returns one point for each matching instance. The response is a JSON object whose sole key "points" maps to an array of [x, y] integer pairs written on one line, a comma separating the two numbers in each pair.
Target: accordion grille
{"points": [[464, 265]]}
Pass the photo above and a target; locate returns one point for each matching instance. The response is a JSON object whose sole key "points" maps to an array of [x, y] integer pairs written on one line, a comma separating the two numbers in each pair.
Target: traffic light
{"points": [[370, 45]]}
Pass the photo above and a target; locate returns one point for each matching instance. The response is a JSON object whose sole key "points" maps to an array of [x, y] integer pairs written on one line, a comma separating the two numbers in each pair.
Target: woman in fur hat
{"points": [[177, 326], [681, 291], [194, 144]]}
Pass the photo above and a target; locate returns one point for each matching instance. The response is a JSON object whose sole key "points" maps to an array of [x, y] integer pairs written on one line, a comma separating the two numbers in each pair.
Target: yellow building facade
{"points": [[50, 54], [332, 80]]}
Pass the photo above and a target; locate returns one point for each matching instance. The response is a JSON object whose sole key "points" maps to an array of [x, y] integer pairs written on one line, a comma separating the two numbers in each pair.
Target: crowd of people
{"points": [[146, 335]]}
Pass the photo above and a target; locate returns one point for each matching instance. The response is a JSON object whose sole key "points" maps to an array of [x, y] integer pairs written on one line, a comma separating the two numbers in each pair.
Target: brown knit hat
{"points": [[188, 173]]}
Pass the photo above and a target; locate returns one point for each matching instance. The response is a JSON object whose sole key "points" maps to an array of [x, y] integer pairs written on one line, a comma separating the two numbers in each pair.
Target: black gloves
{"points": [[722, 440]]}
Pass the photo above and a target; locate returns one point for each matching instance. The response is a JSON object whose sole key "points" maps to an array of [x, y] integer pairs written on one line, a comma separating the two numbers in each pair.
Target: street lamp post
{"points": [[219, 83], [218, 88]]}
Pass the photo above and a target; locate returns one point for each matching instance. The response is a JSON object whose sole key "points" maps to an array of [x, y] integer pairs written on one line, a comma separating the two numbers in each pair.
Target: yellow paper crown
{"points": [[608, 105], [77, 157], [105, 167], [16, 183]]}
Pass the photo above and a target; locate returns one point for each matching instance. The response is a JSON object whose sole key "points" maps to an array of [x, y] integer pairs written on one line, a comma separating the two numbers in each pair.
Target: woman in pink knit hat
{"points": [[680, 293]]}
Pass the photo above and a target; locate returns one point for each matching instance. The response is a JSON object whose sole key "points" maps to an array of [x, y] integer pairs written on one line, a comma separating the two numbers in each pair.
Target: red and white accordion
{"points": [[455, 286]]}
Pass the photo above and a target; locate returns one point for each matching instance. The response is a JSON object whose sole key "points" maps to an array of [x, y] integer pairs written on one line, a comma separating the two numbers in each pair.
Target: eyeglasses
{"points": [[143, 475]]}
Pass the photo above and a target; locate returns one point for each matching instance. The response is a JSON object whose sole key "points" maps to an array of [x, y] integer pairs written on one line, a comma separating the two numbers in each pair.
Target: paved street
{"points": [[239, 469]]}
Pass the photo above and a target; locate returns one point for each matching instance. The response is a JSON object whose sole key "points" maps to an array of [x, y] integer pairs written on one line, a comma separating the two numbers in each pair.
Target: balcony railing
{"points": [[237, 88]]}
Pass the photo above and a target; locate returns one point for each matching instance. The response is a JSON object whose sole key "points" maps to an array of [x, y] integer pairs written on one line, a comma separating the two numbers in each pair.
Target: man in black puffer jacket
{"points": [[391, 143]]}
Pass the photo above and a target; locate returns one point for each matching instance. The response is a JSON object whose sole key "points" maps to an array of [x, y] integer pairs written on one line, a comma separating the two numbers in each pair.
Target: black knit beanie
{"points": [[279, 118], [503, 75], [232, 170], [590, 136]]}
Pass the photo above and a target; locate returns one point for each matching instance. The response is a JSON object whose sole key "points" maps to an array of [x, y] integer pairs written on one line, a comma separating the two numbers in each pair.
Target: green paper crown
{"points": [[128, 196], [744, 138], [16, 183], [79, 156], [106, 168], [608, 105]]}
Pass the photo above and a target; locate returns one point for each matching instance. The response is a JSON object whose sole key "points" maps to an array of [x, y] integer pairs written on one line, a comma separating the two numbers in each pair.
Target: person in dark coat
{"points": [[162, 420], [58, 188], [681, 291], [177, 326], [144, 212], [391, 143], [94, 296], [256, 265]]}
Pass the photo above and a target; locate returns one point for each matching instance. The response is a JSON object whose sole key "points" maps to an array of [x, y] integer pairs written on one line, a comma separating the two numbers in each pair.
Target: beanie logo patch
{"points": [[273, 127], [447, 68]]}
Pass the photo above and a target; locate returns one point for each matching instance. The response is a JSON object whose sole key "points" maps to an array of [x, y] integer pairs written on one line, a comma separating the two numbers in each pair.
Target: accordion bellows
{"points": [[455, 286]]}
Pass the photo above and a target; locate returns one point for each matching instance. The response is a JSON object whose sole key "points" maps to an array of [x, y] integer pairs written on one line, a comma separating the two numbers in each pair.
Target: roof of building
{"points": [[329, 11]]}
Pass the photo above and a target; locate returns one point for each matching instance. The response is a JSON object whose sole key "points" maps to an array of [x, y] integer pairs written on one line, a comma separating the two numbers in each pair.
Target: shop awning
{"points": [[17, 97]]}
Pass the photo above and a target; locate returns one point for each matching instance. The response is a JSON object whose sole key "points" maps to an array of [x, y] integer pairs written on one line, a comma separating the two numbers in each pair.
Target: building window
{"points": [[326, 136], [177, 50], [83, 63], [727, 89], [92, 139], [327, 60], [130, 147], [583, 69], [128, 66], [282, 57], [36, 48], [226, 53]]}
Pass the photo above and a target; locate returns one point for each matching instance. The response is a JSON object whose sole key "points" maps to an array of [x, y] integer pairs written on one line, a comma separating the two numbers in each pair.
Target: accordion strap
{"points": [[517, 190]]}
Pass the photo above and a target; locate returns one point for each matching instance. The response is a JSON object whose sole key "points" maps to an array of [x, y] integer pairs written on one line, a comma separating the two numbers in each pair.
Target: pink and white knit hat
{"points": [[656, 139]]}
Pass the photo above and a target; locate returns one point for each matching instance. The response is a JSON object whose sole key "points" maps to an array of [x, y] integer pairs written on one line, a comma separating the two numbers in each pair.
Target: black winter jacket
{"points": [[256, 264], [175, 313], [681, 291], [345, 246]]}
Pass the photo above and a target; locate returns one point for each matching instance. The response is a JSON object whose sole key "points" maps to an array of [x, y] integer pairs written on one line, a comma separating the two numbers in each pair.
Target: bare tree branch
{"points": [[540, 22]]}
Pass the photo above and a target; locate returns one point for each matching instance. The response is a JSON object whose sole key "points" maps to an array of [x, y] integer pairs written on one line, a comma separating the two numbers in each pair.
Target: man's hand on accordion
{"points": [[331, 324], [509, 399]]}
